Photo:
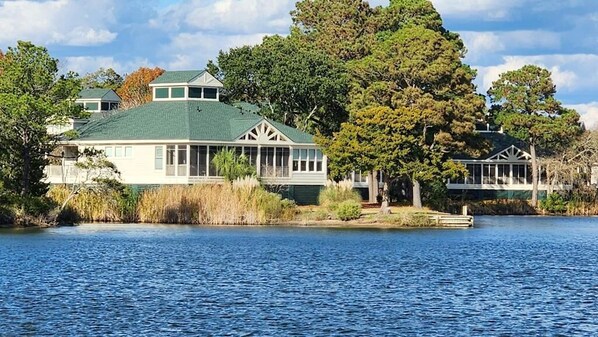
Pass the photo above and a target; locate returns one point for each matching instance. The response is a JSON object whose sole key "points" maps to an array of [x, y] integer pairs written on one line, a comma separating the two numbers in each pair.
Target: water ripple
{"points": [[509, 277]]}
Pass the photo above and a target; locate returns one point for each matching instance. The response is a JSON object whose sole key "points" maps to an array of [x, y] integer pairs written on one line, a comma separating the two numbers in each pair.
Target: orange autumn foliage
{"points": [[135, 90]]}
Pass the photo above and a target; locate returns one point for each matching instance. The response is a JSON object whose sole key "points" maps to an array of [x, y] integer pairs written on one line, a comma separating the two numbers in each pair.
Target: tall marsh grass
{"points": [[95, 206], [334, 193], [244, 202]]}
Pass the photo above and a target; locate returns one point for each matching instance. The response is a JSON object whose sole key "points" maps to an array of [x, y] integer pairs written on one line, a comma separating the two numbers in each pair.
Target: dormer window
{"points": [[186, 85]]}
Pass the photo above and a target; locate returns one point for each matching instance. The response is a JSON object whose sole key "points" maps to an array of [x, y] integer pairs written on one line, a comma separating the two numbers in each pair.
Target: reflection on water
{"points": [[510, 275]]}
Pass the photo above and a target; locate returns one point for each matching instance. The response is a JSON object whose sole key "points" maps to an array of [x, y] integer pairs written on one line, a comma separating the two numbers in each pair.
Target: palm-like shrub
{"points": [[232, 166]]}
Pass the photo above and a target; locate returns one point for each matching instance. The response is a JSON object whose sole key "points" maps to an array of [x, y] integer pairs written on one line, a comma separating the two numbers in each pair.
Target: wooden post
{"points": [[464, 210]]}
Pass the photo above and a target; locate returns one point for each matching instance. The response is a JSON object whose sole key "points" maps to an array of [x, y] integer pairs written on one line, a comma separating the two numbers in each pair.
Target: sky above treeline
{"points": [[500, 35]]}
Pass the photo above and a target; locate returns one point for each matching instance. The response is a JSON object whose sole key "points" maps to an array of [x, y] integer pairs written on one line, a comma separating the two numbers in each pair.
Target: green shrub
{"points": [[555, 203], [348, 210]]}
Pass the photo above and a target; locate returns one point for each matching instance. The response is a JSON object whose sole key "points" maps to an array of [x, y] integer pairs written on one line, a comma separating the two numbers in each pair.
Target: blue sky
{"points": [[501, 35]]}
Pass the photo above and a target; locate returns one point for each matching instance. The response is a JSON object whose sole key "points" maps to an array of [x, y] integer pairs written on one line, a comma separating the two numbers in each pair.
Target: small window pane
{"points": [[177, 93], [128, 151], [108, 151], [319, 155], [194, 92], [161, 92], [210, 93], [118, 151], [159, 158], [312, 154], [105, 106], [304, 154], [295, 153], [91, 106]]}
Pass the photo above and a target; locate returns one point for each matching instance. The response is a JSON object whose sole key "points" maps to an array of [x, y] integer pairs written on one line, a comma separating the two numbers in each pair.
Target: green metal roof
{"points": [[108, 94], [181, 120], [184, 76]]}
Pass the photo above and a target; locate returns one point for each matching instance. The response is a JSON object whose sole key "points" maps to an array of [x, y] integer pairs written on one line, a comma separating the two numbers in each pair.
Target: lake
{"points": [[520, 276]]}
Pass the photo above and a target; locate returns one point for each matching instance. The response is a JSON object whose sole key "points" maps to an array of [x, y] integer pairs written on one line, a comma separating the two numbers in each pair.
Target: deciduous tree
{"points": [[103, 78], [32, 96], [298, 86], [135, 89], [525, 106]]}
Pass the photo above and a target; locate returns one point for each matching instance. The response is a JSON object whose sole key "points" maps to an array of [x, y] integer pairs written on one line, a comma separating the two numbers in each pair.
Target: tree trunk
{"points": [[26, 178], [372, 187], [385, 208], [417, 199], [532, 150]]}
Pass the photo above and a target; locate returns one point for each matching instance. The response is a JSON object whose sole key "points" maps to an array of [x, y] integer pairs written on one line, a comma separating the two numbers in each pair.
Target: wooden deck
{"points": [[452, 220]]}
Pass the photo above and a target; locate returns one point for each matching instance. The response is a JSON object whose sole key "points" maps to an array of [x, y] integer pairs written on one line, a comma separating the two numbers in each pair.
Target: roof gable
{"points": [[511, 154], [189, 77], [101, 94]]}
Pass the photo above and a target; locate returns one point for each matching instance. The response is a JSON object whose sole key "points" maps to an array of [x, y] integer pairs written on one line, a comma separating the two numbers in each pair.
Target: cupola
{"points": [[186, 85]]}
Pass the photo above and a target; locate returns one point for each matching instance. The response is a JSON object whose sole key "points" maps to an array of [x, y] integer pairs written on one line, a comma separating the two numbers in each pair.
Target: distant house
{"points": [[504, 173], [98, 102], [173, 139]]}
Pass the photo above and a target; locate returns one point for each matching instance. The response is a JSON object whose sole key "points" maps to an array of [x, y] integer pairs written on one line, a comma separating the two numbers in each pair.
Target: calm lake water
{"points": [[520, 276]]}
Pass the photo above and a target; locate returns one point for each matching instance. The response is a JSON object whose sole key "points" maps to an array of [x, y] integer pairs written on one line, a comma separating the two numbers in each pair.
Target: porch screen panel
{"points": [[518, 174], [170, 158], [504, 174], [489, 171], [198, 161], [251, 153], [213, 150], [267, 162], [182, 160], [282, 161]]}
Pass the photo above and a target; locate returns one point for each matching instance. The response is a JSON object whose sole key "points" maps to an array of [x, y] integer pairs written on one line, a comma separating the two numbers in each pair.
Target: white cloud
{"points": [[487, 9], [588, 112], [88, 64], [481, 44], [570, 72], [229, 16], [65, 22], [192, 50]]}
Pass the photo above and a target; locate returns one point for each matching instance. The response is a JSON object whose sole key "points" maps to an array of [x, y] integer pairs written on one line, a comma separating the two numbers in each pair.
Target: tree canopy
{"points": [[525, 106], [103, 78], [135, 89], [295, 85], [32, 96]]}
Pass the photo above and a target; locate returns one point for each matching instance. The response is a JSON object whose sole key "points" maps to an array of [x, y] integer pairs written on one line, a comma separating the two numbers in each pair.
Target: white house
{"points": [[173, 139]]}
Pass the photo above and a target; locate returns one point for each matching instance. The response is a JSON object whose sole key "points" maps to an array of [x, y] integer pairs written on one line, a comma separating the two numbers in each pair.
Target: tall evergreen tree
{"points": [[525, 106]]}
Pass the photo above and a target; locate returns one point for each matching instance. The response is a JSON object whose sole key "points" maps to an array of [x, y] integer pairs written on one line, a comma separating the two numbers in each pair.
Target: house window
{"points": [[177, 92], [91, 106], [305, 160], [162, 93], [105, 106], [128, 151], [113, 106], [489, 171], [108, 151], [170, 160], [359, 177], [159, 158], [198, 161], [118, 151], [504, 174], [182, 160], [210, 93], [194, 92]]}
